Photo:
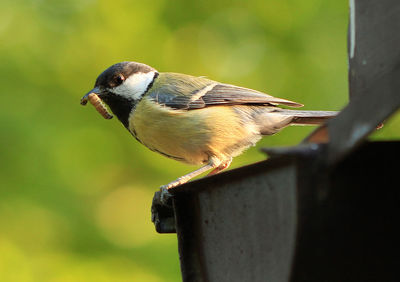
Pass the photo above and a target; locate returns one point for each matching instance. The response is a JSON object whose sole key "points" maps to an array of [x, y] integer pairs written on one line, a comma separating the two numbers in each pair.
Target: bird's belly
{"points": [[190, 136]]}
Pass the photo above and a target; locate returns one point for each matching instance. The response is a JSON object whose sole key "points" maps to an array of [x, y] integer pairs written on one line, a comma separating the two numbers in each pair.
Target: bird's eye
{"points": [[119, 79]]}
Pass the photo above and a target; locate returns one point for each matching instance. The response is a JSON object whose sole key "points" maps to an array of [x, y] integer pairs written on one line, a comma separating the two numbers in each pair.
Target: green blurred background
{"points": [[76, 189]]}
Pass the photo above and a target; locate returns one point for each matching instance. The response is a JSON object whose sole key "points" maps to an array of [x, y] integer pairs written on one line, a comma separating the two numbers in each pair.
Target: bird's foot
{"points": [[162, 213], [179, 181], [165, 197]]}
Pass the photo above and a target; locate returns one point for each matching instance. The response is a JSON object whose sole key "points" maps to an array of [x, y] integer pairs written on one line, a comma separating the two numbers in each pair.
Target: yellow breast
{"points": [[191, 136]]}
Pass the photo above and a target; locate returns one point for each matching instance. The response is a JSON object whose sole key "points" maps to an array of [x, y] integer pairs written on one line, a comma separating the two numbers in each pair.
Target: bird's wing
{"points": [[186, 92]]}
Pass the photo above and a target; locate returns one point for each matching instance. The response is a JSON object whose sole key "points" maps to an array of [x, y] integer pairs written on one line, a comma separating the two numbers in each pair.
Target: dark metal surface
{"points": [[310, 213], [162, 213], [294, 219], [228, 224], [348, 218], [374, 74]]}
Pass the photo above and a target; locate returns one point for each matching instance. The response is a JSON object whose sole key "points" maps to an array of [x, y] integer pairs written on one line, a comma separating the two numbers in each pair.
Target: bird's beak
{"points": [[84, 99]]}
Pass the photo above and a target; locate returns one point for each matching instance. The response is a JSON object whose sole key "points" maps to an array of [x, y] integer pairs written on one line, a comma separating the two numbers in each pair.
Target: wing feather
{"points": [[235, 95], [180, 92]]}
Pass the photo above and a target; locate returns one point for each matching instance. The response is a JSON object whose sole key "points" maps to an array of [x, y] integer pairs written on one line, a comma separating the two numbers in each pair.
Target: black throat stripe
{"points": [[156, 74]]}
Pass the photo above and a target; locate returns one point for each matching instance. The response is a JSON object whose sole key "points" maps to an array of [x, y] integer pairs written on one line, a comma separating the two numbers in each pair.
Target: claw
{"points": [[165, 196]]}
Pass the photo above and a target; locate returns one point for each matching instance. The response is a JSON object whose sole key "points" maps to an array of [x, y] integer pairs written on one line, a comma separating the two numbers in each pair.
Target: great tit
{"points": [[194, 119]]}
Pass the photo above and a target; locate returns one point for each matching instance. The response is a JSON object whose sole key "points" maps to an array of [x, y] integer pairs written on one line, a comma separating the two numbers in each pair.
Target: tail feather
{"points": [[273, 121], [309, 117]]}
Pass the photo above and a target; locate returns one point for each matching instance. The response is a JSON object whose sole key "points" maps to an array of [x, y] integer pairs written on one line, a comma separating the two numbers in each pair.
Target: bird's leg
{"points": [[164, 193], [221, 167], [213, 163], [185, 178]]}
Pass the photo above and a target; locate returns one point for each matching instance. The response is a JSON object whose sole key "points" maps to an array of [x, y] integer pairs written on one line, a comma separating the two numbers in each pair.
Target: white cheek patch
{"points": [[134, 86]]}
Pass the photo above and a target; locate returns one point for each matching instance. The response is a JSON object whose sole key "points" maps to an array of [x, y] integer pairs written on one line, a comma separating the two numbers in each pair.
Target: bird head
{"points": [[122, 85]]}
